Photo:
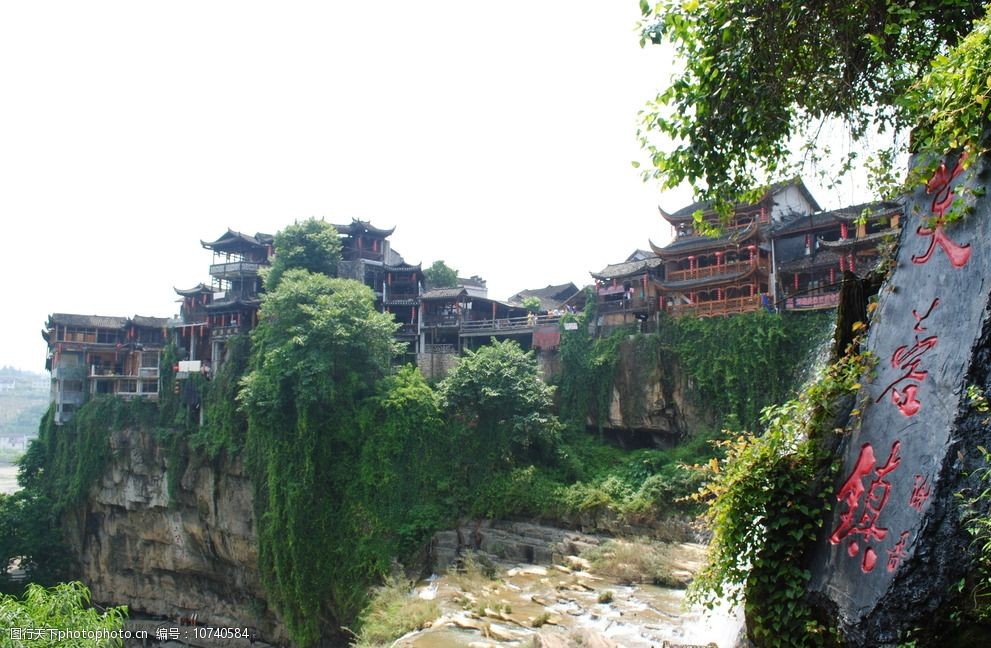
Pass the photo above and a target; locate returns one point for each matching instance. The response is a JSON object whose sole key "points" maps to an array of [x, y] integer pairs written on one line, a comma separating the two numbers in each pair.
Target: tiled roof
{"points": [[444, 293], [198, 289], [151, 322], [690, 243], [617, 270], [232, 241], [821, 259], [685, 213], [854, 243], [550, 297], [356, 227], [88, 321]]}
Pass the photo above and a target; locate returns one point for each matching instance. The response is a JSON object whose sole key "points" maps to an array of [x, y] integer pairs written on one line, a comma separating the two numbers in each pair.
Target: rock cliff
{"points": [[650, 402], [190, 556]]}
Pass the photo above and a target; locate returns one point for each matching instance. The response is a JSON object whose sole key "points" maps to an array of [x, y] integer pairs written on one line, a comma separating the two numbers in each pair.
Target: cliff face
{"points": [[650, 402], [194, 556]]}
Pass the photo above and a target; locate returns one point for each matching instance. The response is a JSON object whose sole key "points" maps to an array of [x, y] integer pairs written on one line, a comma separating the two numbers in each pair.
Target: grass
{"points": [[392, 613], [633, 562], [473, 572]]}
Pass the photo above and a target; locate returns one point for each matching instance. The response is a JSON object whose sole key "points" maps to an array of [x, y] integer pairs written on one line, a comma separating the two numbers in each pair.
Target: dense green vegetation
{"points": [[313, 245], [63, 608], [440, 275], [766, 504], [356, 464], [760, 80], [736, 366]]}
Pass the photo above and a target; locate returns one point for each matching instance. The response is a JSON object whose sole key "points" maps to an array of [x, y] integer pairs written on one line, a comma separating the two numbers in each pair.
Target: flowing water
{"points": [[479, 613]]}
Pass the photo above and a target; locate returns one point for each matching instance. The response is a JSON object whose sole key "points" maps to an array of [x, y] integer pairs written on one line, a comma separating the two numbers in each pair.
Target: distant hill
{"points": [[23, 400]]}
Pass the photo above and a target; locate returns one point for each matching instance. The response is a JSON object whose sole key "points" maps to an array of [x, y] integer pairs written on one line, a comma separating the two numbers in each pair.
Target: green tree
{"points": [[319, 349], [313, 245], [532, 304], [757, 75], [64, 608], [30, 533], [439, 275], [502, 406]]}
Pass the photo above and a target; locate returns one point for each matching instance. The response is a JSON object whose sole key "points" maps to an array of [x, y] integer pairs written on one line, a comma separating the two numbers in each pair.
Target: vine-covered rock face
{"points": [[892, 548]]}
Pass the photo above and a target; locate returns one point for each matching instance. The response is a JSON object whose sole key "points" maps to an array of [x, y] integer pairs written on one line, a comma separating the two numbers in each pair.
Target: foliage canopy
{"points": [[63, 607], [757, 75], [319, 348], [440, 275], [313, 245]]}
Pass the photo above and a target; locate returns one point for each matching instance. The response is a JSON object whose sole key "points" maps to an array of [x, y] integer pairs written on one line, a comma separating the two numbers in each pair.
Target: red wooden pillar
{"points": [[796, 282]]}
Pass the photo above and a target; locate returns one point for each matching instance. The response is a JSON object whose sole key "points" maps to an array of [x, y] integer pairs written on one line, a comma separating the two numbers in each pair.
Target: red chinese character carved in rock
{"points": [[864, 505], [921, 491], [939, 185], [907, 360], [897, 553]]}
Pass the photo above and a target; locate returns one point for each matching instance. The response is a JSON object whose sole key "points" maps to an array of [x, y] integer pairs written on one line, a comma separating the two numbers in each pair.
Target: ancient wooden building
{"points": [[93, 354], [813, 252], [733, 272], [628, 292]]}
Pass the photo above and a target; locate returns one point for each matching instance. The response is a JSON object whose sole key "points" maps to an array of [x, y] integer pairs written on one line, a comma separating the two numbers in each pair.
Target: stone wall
{"points": [[436, 366]]}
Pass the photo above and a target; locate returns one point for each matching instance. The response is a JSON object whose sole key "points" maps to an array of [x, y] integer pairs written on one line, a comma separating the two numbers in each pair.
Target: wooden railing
{"points": [[711, 271], [509, 324], [719, 307], [439, 348], [812, 302], [234, 269], [626, 305]]}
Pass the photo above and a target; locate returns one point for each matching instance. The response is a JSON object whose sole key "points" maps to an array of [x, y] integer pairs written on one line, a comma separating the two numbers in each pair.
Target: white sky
{"points": [[495, 136]]}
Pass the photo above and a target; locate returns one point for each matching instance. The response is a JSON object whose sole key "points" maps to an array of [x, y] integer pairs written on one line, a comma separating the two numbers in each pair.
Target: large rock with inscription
{"points": [[893, 544]]}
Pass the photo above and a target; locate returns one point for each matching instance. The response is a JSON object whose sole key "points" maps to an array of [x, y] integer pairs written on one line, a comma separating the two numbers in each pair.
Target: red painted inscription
{"points": [[864, 505], [939, 186], [921, 491], [907, 359]]}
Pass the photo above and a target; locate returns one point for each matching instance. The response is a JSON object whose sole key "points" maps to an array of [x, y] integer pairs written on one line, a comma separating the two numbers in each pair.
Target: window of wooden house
{"points": [[104, 336], [71, 359]]}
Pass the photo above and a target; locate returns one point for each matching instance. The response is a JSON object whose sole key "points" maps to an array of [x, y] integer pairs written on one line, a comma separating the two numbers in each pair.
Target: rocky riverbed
{"points": [[567, 605]]}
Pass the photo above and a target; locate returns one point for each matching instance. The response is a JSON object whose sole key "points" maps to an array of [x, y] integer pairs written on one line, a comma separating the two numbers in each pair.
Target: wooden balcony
{"points": [[813, 302], [234, 270], [507, 325], [716, 307], [713, 271], [626, 306]]}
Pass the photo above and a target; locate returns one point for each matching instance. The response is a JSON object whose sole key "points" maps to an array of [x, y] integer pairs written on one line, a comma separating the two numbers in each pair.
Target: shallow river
{"points": [[638, 616]]}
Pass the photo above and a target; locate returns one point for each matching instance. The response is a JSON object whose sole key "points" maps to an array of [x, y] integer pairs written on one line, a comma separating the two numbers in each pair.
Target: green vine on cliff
{"points": [[767, 500], [740, 364]]}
